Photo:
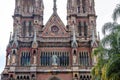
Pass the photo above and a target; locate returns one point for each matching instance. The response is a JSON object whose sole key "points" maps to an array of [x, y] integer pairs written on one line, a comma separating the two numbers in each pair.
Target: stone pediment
{"points": [[55, 27]]}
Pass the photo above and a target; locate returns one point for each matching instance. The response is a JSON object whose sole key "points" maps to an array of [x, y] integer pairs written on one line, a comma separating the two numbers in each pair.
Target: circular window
{"points": [[54, 29]]}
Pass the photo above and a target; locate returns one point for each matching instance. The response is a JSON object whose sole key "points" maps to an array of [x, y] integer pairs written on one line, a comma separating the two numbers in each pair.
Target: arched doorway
{"points": [[54, 78]]}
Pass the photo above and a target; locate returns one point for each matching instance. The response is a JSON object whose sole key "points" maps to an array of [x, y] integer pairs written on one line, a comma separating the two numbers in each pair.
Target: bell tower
{"points": [[82, 12], [28, 16]]}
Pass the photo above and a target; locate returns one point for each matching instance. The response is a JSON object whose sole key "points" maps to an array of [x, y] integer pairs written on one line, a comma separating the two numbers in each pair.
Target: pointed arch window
{"points": [[84, 58], [84, 5], [62, 58], [78, 9], [14, 52], [80, 28], [30, 28], [78, 2], [25, 59], [45, 59], [85, 29], [24, 28]]}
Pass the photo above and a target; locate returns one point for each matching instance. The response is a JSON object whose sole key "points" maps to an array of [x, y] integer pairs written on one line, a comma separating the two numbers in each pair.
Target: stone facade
{"points": [[52, 51]]}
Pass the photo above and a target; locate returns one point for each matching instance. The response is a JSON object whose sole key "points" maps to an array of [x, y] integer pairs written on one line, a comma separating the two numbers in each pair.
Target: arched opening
{"points": [[21, 77], [74, 52], [11, 76], [24, 77], [33, 76], [18, 78], [14, 52], [28, 78], [34, 52], [54, 78], [76, 76]]}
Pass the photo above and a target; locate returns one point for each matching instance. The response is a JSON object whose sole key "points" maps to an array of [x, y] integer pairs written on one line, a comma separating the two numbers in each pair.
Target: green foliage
{"points": [[108, 52], [116, 12]]}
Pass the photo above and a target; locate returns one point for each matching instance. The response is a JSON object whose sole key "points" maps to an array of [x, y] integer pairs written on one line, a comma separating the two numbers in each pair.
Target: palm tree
{"points": [[111, 43], [108, 52], [113, 68], [101, 61], [108, 48]]}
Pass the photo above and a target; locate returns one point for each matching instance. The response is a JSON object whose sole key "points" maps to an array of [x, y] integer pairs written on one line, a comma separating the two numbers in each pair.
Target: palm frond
{"points": [[116, 13], [107, 27], [108, 40]]}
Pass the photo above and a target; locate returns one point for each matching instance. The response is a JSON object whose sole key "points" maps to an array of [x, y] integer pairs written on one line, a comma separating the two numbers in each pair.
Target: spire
{"points": [[98, 36], [35, 44], [93, 43], [74, 41], [54, 7], [42, 4], [15, 42], [34, 36], [10, 37]]}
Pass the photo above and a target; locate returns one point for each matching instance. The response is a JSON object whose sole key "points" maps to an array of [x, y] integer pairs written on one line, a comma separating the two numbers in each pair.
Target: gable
{"points": [[54, 27]]}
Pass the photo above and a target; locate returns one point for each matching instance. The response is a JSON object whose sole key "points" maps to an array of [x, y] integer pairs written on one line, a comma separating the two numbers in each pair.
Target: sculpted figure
{"points": [[13, 59], [8, 60], [54, 60], [74, 59], [34, 59]]}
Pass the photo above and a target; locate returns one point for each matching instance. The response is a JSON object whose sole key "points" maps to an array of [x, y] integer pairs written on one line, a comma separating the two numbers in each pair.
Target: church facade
{"points": [[53, 51]]}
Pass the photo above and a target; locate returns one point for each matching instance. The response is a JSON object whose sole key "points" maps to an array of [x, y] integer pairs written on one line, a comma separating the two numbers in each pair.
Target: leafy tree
{"points": [[108, 52]]}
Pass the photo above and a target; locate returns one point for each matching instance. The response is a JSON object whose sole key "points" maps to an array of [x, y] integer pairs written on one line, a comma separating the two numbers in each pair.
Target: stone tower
{"points": [[28, 16], [52, 51]]}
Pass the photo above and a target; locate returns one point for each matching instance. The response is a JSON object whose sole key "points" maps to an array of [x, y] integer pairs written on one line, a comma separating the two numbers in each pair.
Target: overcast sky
{"points": [[104, 9]]}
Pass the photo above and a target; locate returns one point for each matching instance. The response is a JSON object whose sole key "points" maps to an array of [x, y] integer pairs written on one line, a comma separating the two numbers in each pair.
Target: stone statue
{"points": [[54, 60], [74, 59], [8, 60], [13, 59], [34, 59]]}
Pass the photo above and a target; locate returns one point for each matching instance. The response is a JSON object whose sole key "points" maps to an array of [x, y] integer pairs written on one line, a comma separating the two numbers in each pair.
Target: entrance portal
{"points": [[54, 78]]}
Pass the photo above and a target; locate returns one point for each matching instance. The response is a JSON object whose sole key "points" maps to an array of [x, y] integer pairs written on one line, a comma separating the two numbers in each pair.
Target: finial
{"points": [[34, 43], [15, 37], [98, 36], [93, 43], [10, 39], [15, 40], [54, 7], [34, 36], [74, 42], [10, 36]]}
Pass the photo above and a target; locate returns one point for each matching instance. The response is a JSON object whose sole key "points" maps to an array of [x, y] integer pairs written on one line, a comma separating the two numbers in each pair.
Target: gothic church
{"points": [[53, 51]]}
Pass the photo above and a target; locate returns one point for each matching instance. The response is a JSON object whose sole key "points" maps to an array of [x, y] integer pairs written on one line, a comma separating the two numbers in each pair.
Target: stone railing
{"points": [[54, 39]]}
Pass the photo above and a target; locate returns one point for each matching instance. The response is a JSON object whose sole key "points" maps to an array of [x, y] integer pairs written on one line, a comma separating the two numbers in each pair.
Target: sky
{"points": [[104, 9]]}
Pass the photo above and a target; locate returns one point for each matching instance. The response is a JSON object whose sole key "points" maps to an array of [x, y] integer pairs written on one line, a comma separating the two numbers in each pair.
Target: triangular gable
{"points": [[94, 44], [54, 27]]}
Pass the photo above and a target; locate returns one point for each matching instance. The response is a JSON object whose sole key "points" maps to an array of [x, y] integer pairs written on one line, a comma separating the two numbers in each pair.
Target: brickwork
{"points": [[52, 51]]}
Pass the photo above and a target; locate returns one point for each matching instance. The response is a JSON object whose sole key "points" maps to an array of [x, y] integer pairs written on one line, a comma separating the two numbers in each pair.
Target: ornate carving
{"points": [[54, 29]]}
